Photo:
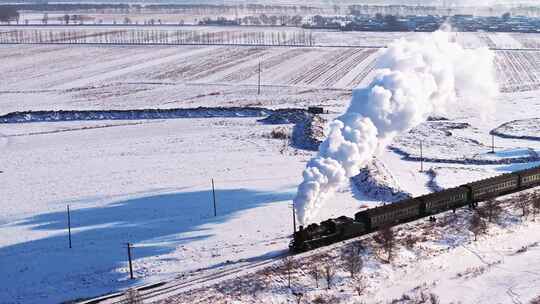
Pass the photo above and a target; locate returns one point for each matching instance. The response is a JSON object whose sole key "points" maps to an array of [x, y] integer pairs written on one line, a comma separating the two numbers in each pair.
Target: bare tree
{"points": [[428, 298], [535, 203], [287, 265], [434, 299], [132, 296], [298, 296], [329, 274], [315, 272], [491, 210], [477, 225], [387, 239], [352, 261], [524, 202], [360, 284]]}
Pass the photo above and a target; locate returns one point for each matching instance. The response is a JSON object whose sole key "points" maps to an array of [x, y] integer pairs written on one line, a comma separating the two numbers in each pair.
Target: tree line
{"points": [[143, 36]]}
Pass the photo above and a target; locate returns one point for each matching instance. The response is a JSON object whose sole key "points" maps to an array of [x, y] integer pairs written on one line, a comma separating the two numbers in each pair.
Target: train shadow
{"points": [[157, 225]]}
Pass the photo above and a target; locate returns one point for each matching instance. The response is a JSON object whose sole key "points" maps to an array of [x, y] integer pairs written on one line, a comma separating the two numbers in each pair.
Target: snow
{"points": [[149, 181], [526, 129], [439, 258], [133, 183]]}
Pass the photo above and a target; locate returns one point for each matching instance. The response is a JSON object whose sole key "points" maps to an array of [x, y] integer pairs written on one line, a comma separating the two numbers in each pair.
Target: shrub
{"points": [[280, 133]]}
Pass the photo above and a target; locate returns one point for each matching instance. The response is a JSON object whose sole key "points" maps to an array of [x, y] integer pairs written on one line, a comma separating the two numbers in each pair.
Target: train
{"points": [[370, 220]]}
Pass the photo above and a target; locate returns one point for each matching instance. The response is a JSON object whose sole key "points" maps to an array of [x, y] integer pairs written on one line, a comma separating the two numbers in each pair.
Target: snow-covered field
{"points": [[149, 182], [165, 77]]}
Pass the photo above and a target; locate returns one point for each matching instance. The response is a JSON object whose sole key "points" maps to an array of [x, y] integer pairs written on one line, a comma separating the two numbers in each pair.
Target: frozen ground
{"points": [[149, 181], [525, 129]]}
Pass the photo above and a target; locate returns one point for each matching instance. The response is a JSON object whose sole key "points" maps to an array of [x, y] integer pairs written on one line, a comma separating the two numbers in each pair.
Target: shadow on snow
{"points": [[47, 269]]}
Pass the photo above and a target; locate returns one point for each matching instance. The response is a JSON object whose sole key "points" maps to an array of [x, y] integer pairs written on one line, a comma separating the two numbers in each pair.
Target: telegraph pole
{"points": [[214, 196], [492, 143], [421, 158], [69, 225], [259, 81], [129, 258]]}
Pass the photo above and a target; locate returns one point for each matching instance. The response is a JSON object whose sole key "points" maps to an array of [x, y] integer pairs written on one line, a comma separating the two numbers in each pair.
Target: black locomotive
{"points": [[342, 228]]}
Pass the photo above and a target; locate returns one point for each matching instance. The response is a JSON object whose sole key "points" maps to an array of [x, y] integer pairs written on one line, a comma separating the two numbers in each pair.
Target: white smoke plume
{"points": [[413, 80]]}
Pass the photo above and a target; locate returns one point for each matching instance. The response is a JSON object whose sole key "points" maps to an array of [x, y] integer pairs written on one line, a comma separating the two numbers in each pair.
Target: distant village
{"points": [[429, 23], [411, 23], [525, 19]]}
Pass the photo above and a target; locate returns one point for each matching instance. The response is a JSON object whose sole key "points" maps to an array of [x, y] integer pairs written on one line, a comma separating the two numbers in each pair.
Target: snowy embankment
{"points": [[309, 134], [446, 261], [519, 129], [138, 114], [376, 182]]}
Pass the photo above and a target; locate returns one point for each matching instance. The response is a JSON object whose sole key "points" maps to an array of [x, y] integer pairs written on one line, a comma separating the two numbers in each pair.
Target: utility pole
{"points": [[421, 158], [214, 196], [69, 225], [492, 143], [129, 258], [259, 81]]}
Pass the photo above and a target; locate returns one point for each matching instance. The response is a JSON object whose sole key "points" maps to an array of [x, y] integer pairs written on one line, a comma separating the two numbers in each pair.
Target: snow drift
{"points": [[413, 80]]}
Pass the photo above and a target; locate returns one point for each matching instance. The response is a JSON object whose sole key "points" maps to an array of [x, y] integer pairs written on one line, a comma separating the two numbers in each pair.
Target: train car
{"points": [[529, 178], [448, 199], [338, 229], [391, 214], [493, 187]]}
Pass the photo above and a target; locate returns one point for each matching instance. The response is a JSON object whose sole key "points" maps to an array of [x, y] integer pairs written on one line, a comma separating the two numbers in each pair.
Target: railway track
{"points": [[159, 291]]}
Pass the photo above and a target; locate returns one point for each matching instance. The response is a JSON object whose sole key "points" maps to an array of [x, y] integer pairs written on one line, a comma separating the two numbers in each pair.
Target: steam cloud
{"points": [[413, 79]]}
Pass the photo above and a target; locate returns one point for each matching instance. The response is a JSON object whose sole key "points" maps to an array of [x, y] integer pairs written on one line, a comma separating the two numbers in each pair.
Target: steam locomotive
{"points": [[367, 221]]}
